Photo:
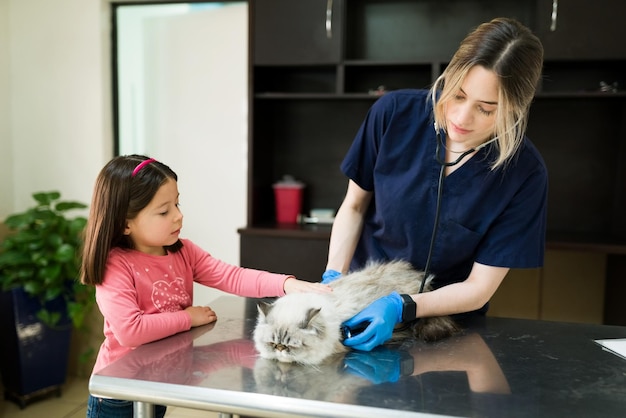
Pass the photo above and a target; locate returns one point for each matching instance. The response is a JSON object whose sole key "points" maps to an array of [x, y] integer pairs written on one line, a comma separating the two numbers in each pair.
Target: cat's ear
{"points": [[311, 313], [264, 308]]}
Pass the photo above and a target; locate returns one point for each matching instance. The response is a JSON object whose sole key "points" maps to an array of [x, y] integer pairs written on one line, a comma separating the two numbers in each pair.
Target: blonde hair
{"points": [[515, 55]]}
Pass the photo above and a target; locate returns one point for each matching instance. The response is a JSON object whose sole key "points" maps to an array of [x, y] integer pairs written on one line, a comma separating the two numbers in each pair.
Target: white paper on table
{"points": [[616, 346]]}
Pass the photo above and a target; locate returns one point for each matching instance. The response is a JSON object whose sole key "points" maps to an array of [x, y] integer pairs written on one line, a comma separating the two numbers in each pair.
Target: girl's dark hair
{"points": [[121, 191]]}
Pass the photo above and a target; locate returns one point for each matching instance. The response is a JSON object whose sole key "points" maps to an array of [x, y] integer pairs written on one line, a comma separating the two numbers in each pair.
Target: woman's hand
{"points": [[201, 315], [293, 285], [330, 276], [382, 315], [378, 366]]}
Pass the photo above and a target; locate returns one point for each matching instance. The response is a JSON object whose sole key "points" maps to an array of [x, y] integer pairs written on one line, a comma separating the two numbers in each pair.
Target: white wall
{"points": [[6, 149], [56, 103], [55, 87]]}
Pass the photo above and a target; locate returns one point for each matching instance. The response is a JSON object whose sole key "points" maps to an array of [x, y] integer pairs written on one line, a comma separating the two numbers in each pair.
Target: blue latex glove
{"points": [[379, 366], [330, 276], [382, 315]]}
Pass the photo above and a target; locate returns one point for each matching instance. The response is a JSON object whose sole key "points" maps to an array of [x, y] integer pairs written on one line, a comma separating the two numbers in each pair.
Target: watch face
{"points": [[408, 308], [407, 365]]}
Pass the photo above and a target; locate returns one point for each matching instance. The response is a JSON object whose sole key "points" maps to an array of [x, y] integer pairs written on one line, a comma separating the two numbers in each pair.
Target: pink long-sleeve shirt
{"points": [[143, 297]]}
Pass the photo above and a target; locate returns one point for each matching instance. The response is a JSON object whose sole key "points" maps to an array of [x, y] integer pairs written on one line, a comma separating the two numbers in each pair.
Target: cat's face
{"points": [[329, 381], [282, 379], [294, 333]]}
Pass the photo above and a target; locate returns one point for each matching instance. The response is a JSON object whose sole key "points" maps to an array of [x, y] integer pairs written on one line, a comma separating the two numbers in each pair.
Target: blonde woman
{"points": [[447, 180]]}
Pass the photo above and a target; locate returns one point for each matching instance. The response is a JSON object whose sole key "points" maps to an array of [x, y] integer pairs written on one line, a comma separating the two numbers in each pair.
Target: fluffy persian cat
{"points": [[306, 327]]}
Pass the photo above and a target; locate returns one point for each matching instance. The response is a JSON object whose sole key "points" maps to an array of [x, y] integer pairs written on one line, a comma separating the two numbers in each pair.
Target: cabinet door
{"points": [[582, 29], [297, 31], [304, 258]]}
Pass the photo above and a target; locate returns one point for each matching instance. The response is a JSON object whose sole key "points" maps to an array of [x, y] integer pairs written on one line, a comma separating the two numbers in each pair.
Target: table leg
{"points": [[143, 410]]}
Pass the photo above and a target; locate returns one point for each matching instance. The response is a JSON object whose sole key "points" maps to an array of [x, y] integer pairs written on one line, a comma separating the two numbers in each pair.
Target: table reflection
{"points": [[200, 356]]}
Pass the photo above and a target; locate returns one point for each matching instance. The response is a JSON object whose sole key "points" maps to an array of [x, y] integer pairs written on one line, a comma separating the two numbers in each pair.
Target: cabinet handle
{"points": [[555, 11], [329, 19]]}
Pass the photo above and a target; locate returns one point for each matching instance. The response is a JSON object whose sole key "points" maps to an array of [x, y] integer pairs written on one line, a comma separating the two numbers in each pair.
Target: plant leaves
{"points": [[64, 206], [45, 198], [40, 254]]}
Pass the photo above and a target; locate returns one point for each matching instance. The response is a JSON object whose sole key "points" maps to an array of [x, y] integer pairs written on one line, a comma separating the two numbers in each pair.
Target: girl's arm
{"points": [[210, 271], [293, 285]]}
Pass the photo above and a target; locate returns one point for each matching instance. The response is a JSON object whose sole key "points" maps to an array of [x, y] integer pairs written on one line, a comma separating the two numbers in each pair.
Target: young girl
{"points": [[144, 272]]}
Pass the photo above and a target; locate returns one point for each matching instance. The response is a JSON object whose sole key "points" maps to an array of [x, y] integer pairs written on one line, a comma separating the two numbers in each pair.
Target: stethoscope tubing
{"points": [[442, 161], [443, 164]]}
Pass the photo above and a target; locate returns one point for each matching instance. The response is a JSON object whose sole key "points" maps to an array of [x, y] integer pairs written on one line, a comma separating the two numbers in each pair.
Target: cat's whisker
{"points": [[316, 368]]}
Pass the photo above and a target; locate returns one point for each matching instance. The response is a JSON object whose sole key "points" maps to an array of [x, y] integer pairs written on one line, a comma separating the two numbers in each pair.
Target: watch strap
{"points": [[409, 308]]}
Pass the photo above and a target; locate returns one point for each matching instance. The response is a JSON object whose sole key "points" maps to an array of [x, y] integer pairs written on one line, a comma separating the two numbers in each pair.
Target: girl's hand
{"points": [[293, 285], [201, 315]]}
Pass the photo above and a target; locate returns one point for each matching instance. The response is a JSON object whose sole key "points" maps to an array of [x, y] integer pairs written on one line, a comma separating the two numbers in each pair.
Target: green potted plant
{"points": [[42, 299]]}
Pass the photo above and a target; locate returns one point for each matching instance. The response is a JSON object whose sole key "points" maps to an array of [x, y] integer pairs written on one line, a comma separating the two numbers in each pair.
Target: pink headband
{"points": [[142, 165]]}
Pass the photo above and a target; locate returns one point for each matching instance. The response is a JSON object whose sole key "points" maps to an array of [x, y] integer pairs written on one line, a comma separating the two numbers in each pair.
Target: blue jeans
{"points": [[114, 408]]}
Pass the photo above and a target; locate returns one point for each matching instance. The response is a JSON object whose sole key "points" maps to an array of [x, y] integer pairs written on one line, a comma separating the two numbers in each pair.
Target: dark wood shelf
{"points": [[315, 96], [554, 241], [390, 63], [304, 231], [351, 96], [588, 243], [580, 95]]}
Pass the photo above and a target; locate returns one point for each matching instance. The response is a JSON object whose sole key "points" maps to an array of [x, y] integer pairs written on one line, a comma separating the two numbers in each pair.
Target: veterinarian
{"points": [[447, 180]]}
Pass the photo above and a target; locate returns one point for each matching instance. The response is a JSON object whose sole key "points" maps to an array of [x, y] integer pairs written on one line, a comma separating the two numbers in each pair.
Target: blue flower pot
{"points": [[33, 356]]}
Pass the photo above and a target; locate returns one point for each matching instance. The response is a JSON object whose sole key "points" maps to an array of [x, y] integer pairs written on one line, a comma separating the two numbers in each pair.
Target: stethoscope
{"points": [[444, 165]]}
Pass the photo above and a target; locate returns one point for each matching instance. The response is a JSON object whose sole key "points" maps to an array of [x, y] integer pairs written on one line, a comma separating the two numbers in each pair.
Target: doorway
{"points": [[181, 96]]}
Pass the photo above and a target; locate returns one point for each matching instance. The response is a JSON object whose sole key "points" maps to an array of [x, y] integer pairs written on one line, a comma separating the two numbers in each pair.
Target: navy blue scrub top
{"points": [[494, 217]]}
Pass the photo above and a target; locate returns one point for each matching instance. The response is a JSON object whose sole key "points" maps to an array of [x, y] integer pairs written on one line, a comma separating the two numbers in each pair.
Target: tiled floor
{"points": [[73, 404]]}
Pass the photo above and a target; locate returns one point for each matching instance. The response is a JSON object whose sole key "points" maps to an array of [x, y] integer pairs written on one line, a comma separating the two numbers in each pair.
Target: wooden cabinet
{"points": [[570, 287], [286, 250], [311, 91], [418, 31], [581, 29], [296, 32]]}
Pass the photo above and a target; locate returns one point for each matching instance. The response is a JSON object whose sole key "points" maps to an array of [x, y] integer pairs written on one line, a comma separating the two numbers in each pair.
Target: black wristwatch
{"points": [[407, 364], [409, 308]]}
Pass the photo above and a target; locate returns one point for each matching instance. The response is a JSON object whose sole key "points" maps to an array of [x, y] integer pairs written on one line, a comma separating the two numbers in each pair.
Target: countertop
{"points": [[497, 367]]}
